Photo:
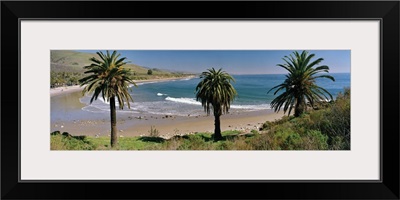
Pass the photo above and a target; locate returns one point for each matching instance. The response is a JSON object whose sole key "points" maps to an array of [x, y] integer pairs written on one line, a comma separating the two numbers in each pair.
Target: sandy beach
{"points": [[168, 125], [137, 124], [65, 90]]}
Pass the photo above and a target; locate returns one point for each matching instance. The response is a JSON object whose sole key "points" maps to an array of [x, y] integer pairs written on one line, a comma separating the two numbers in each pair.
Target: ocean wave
{"points": [[241, 107], [183, 100], [187, 79], [148, 82], [106, 102], [103, 109], [165, 105], [252, 107], [94, 109]]}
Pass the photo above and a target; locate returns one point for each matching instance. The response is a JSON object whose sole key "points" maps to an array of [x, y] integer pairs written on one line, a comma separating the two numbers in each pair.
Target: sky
{"points": [[231, 61]]}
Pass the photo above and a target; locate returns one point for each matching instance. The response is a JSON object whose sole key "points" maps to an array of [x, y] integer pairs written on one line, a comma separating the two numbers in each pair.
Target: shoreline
{"points": [[76, 88], [139, 124]]}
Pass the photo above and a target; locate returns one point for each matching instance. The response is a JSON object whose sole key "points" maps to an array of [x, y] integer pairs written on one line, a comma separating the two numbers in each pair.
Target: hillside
{"points": [[73, 61], [66, 68]]}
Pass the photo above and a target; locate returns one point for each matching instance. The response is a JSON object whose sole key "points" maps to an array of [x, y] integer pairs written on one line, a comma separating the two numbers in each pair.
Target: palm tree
{"points": [[109, 78], [215, 89], [299, 86]]}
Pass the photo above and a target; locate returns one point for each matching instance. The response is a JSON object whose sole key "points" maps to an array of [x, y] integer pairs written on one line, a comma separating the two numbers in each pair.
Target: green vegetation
{"points": [[300, 88], [323, 129], [64, 78], [327, 128], [69, 61], [215, 89], [61, 142], [200, 141], [73, 61], [65, 141], [149, 72], [109, 77]]}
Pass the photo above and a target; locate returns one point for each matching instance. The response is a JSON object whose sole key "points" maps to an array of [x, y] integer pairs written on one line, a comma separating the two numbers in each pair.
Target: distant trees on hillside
{"points": [[58, 79]]}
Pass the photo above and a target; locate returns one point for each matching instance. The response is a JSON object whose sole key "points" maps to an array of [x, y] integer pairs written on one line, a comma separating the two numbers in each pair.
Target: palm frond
{"points": [[215, 91], [108, 78]]}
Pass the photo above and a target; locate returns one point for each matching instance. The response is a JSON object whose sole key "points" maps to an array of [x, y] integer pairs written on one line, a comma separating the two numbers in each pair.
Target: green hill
{"points": [[66, 68], [73, 61]]}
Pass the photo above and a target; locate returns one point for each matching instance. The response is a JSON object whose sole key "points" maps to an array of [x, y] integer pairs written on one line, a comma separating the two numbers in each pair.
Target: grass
{"points": [[60, 142], [126, 143], [232, 140], [200, 141], [67, 142]]}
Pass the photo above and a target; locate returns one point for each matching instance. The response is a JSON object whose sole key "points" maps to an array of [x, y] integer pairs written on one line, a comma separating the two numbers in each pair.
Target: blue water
{"points": [[178, 97]]}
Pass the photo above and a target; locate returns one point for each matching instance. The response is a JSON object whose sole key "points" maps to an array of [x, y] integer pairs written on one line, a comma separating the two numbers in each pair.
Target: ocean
{"points": [[178, 97]]}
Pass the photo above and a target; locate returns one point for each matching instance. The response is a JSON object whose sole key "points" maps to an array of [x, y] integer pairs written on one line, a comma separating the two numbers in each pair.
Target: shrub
{"points": [[154, 132], [335, 121], [224, 145], [55, 133], [241, 144], [267, 125], [255, 132], [287, 140], [339, 143], [260, 142], [315, 140], [293, 141], [61, 142], [193, 142], [66, 134]]}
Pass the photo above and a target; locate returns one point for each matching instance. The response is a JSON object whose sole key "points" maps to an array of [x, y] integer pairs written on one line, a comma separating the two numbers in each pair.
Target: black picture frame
{"points": [[386, 11]]}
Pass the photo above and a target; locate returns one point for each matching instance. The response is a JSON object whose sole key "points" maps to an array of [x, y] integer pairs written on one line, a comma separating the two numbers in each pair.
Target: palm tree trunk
{"points": [[217, 131], [114, 136], [299, 108]]}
